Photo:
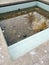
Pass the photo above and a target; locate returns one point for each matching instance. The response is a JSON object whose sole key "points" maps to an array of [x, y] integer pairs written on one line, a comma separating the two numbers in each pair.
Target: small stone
{"points": [[42, 62], [3, 31], [0, 48], [2, 56], [45, 51], [24, 36], [32, 53], [18, 35], [25, 23], [1, 59]]}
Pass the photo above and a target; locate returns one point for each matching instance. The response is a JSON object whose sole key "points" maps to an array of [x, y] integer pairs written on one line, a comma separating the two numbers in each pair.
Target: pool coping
{"points": [[17, 6], [14, 3]]}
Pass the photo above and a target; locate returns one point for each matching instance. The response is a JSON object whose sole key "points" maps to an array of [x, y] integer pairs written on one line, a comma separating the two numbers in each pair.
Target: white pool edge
{"points": [[24, 5]]}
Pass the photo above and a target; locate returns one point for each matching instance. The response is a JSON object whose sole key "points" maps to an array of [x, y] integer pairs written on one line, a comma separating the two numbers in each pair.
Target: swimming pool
{"points": [[32, 41]]}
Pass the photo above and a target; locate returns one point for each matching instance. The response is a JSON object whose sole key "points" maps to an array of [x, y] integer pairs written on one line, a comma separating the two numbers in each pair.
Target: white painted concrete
{"points": [[16, 7], [43, 6], [24, 5]]}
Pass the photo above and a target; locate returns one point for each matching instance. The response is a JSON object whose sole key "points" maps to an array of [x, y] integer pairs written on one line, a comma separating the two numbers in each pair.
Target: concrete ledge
{"points": [[16, 7], [2, 39], [24, 5], [43, 6], [18, 49]]}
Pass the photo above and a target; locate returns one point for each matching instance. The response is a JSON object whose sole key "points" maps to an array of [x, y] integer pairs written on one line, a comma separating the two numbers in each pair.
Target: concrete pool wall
{"points": [[43, 6], [24, 5], [19, 49], [16, 7]]}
